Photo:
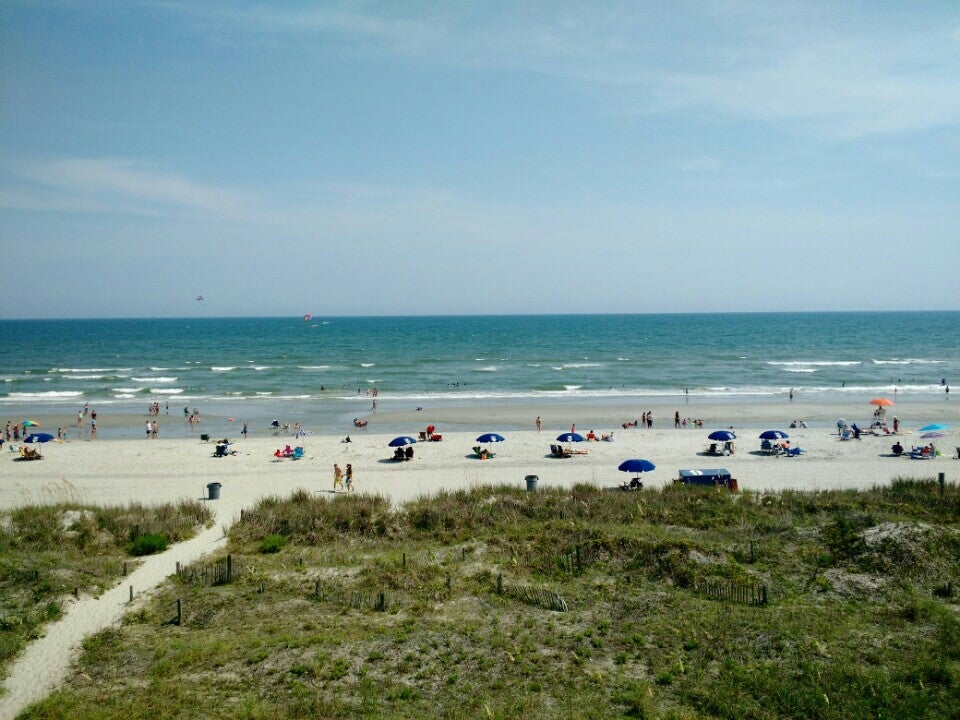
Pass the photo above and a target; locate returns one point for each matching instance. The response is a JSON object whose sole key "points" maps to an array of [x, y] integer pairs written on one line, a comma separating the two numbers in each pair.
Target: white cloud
{"points": [[115, 185], [810, 68]]}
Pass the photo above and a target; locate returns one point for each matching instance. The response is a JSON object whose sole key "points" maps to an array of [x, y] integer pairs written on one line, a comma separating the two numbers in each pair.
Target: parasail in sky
{"points": [[199, 298]]}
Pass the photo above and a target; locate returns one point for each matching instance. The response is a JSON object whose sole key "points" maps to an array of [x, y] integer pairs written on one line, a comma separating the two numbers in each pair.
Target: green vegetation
{"points": [[50, 551], [148, 544], [435, 610]]}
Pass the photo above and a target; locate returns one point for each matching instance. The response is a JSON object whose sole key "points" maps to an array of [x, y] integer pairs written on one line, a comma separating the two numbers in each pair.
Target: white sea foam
{"points": [[158, 369], [84, 370], [572, 387], [367, 364], [800, 370], [261, 367], [154, 379], [127, 390], [165, 391], [567, 366], [815, 362], [123, 396], [264, 394], [314, 367], [623, 359], [224, 368], [907, 361], [52, 394], [488, 368]]}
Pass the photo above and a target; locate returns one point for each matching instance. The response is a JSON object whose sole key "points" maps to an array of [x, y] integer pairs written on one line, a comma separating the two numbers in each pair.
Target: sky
{"points": [[417, 158]]}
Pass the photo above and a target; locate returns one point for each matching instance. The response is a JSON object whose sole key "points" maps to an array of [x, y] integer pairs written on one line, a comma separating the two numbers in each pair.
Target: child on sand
{"points": [[348, 477]]}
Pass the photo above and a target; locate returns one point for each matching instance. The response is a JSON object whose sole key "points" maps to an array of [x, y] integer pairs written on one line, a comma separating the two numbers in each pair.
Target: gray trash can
{"points": [[531, 483], [213, 491]]}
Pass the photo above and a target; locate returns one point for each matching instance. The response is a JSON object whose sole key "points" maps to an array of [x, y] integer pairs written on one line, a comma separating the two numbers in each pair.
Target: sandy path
{"points": [[46, 661]]}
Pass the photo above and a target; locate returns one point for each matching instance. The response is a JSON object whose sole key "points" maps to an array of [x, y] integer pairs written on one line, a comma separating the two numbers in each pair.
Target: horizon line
{"points": [[474, 315]]}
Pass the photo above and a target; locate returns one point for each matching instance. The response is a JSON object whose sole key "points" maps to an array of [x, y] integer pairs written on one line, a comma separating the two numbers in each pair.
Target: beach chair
{"points": [[29, 453], [221, 450], [766, 447], [793, 452], [436, 438], [846, 434], [423, 434], [297, 453]]}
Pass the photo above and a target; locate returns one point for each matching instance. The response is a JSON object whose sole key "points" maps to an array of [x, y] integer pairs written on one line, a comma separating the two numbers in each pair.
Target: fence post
{"points": [[131, 593], [579, 564], [404, 561], [499, 583], [229, 568], [940, 480], [124, 567]]}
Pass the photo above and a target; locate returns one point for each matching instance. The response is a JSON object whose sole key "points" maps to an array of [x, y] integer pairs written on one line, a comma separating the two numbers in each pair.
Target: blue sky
{"points": [[453, 157]]}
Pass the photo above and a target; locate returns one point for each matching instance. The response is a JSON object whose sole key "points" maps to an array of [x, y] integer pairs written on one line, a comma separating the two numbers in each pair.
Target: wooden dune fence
{"points": [[744, 594]]}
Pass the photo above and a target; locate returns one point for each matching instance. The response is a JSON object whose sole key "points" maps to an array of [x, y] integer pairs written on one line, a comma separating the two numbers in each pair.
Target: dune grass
{"points": [[862, 619], [50, 551]]}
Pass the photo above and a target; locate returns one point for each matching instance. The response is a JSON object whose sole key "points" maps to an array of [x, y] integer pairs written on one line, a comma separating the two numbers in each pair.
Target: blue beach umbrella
{"points": [[38, 438], [636, 466], [490, 438], [401, 441], [773, 435], [723, 435], [570, 437], [934, 427]]}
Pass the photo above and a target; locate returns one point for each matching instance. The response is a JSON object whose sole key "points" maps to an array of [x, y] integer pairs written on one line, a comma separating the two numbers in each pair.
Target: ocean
{"points": [[326, 368]]}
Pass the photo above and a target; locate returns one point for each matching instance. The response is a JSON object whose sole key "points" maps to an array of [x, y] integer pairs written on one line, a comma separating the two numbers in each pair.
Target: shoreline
{"points": [[397, 416]]}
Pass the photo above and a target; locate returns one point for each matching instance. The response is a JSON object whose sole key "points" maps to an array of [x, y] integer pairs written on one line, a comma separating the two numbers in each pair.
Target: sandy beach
{"points": [[116, 471]]}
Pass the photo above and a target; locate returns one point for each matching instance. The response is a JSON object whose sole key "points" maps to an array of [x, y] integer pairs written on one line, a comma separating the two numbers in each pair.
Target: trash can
{"points": [[213, 491], [531, 483]]}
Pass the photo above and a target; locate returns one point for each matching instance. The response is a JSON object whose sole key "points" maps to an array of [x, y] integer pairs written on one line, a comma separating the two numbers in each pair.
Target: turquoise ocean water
{"points": [[322, 369]]}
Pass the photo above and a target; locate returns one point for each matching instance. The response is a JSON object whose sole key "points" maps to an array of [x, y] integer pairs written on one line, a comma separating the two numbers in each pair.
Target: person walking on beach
{"points": [[337, 477], [348, 477], [149, 429], [896, 424], [155, 430], [676, 420], [791, 394], [650, 419], [538, 423], [243, 430]]}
